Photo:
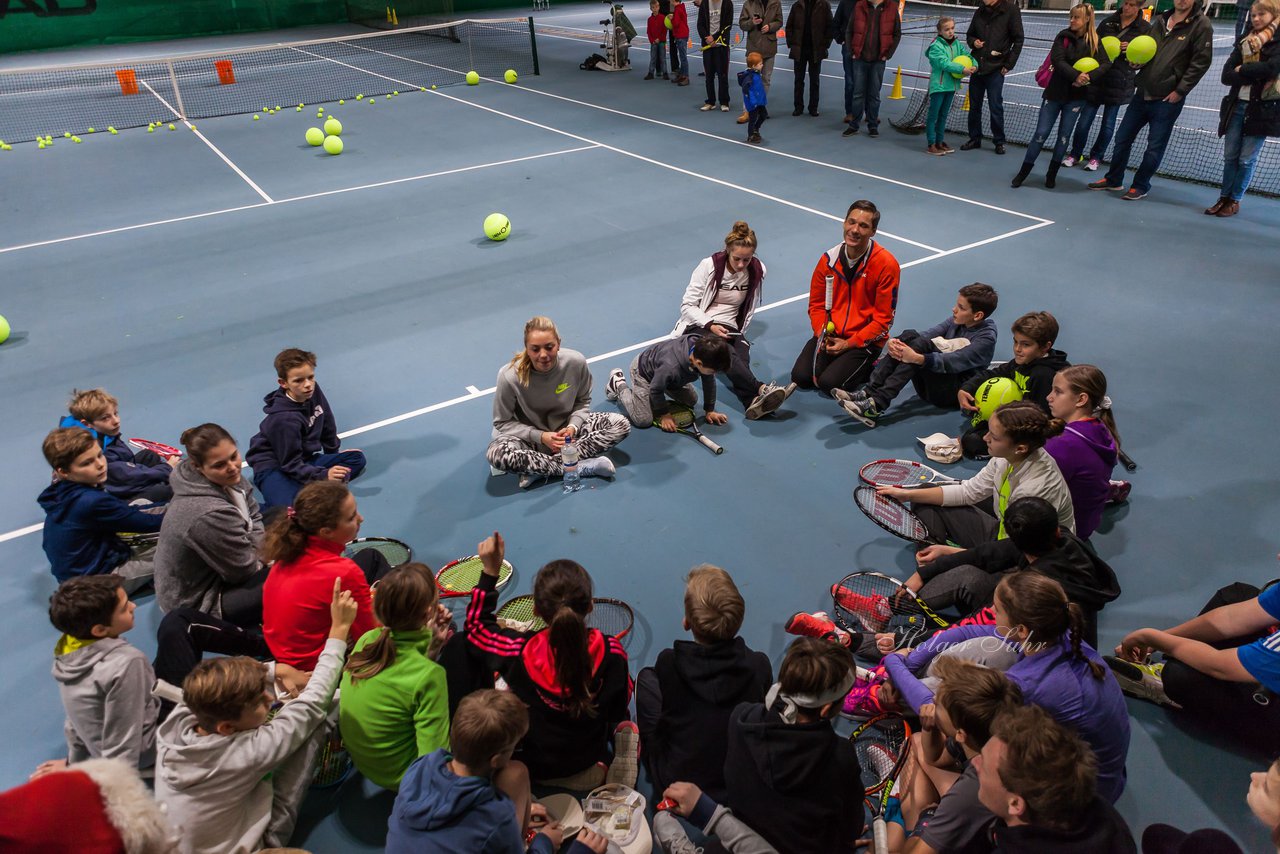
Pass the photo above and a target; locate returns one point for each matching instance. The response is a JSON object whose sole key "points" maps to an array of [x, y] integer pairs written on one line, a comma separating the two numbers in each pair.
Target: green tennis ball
{"points": [[342, 101], [831, 327], [66, 134], [396, 92], [473, 79], [152, 129], [90, 130], [333, 127], [4, 329], [966, 61], [256, 117], [171, 127], [333, 144], [667, 21], [497, 227], [994, 393], [1111, 45], [315, 136], [298, 110], [278, 107], [1086, 65], [510, 75], [359, 97], [76, 139], [1141, 50], [300, 106], [371, 100], [433, 85]]}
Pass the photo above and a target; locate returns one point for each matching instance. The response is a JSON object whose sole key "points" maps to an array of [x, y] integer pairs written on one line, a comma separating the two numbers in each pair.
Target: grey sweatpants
{"points": [[634, 397], [601, 432]]}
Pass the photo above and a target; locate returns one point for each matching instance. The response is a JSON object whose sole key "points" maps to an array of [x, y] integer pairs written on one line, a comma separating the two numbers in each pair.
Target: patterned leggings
{"points": [[601, 432]]}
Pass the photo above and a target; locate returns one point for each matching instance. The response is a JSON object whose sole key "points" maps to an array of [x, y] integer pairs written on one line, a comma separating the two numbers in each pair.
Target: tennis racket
{"points": [[610, 616], [882, 747], [1126, 460], [461, 576], [719, 42], [394, 551], [874, 603], [905, 473], [892, 515], [687, 423], [826, 324], [160, 448]]}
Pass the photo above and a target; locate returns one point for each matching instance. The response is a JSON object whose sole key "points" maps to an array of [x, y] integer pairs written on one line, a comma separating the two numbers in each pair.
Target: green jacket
{"points": [[942, 64], [391, 719]]}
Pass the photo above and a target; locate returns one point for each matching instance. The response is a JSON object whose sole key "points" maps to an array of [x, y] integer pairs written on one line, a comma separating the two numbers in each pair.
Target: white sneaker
{"points": [[1144, 681], [617, 382], [529, 479], [767, 401], [724, 108], [1068, 161], [849, 396], [789, 389], [1092, 165], [706, 108], [625, 766], [597, 467]]}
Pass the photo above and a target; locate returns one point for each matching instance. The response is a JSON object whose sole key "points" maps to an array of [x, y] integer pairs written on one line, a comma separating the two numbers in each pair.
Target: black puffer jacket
{"points": [[999, 27], [809, 21], [1261, 118], [1117, 86], [1067, 50]]}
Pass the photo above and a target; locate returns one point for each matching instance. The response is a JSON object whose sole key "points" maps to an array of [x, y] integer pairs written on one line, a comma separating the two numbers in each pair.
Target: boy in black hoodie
{"points": [[1032, 367], [298, 440], [789, 776], [684, 701]]}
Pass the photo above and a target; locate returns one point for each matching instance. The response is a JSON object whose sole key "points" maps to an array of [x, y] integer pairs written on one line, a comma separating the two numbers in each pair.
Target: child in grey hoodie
{"points": [[231, 780]]}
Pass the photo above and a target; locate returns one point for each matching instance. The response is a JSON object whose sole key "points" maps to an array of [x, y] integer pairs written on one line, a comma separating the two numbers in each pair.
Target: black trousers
{"points": [[813, 67], [743, 382], [967, 526], [890, 377], [847, 370], [715, 64], [185, 635]]}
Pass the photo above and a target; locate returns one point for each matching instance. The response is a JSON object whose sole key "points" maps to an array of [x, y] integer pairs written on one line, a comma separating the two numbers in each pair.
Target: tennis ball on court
{"points": [[359, 97], [1111, 45], [278, 107], [1141, 50], [298, 110], [90, 130], [256, 117], [396, 92], [497, 227], [1086, 65], [75, 139], [315, 136], [473, 79], [371, 100], [342, 101], [510, 75], [152, 128], [333, 127], [831, 327], [171, 127], [966, 61], [433, 85], [40, 144], [4, 329], [333, 144], [300, 106], [113, 131], [66, 134], [994, 393]]}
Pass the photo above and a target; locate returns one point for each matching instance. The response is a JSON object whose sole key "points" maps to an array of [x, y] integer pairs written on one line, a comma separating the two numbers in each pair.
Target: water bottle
{"points": [[569, 461]]}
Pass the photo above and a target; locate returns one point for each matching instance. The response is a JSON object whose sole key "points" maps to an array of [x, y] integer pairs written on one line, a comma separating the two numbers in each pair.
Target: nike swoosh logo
{"points": [[562, 388]]}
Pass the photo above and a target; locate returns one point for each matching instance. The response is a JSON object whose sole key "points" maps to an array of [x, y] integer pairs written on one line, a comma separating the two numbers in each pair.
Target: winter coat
{"points": [[1261, 118], [704, 22], [80, 527], [887, 20], [999, 27], [105, 687], [942, 65], [770, 11], [1067, 50], [292, 434], [753, 94], [679, 22], [809, 21], [1183, 55], [704, 284], [1117, 86], [1086, 454]]}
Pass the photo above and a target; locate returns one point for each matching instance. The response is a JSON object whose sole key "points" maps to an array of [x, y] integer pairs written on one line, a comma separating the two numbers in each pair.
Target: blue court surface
{"points": [[170, 267]]}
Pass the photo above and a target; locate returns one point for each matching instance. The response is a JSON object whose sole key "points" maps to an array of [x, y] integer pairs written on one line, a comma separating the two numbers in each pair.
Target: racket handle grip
{"points": [[711, 446], [1127, 461], [879, 836]]}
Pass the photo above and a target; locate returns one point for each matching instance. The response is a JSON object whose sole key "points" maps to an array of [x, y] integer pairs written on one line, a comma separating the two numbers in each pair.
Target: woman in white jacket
{"points": [[971, 512], [721, 299]]}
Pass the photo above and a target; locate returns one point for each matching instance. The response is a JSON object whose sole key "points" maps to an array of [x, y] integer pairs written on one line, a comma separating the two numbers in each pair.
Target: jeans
{"points": [[1050, 111], [1109, 114], [1158, 117], [990, 86], [679, 59], [939, 109], [1239, 156], [867, 77], [813, 67], [755, 120], [715, 64], [278, 489], [847, 60], [656, 54]]}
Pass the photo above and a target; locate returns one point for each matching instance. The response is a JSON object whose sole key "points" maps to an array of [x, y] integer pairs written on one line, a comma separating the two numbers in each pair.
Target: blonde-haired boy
{"points": [[130, 474]]}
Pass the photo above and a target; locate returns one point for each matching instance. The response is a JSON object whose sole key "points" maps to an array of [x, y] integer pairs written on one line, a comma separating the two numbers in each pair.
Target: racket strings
{"points": [[890, 513], [877, 759], [892, 473]]}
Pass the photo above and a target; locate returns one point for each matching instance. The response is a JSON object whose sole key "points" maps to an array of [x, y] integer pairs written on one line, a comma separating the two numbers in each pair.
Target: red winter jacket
{"points": [[657, 29], [863, 309], [296, 598], [679, 22]]}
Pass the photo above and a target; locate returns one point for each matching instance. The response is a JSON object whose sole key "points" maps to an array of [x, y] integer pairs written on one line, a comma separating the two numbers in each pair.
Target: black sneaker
{"points": [[971, 145], [873, 132], [1000, 148], [852, 130]]}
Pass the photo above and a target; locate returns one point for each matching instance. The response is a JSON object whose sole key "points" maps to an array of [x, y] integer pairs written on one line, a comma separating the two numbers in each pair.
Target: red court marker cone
{"points": [[736, 37], [896, 94], [782, 34], [226, 74]]}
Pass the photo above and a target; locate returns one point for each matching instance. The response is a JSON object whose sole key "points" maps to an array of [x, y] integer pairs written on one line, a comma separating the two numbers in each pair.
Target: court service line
{"points": [[473, 393], [295, 198], [225, 159]]}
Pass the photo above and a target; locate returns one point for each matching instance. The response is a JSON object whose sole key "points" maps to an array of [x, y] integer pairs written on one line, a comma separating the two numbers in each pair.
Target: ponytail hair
{"points": [[1038, 603], [199, 441], [562, 598], [520, 361], [317, 505], [740, 235], [1026, 423], [406, 598], [1092, 383]]}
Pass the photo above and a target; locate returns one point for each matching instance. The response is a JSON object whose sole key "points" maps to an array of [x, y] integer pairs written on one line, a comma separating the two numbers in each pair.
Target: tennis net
{"points": [[37, 102]]}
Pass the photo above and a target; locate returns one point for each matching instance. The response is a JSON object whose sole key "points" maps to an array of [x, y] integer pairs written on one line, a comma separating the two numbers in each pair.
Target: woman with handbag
{"points": [[1251, 110]]}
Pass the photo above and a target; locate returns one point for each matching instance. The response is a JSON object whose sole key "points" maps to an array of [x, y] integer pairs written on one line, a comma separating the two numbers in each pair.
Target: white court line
{"points": [[205, 140], [474, 393], [294, 199]]}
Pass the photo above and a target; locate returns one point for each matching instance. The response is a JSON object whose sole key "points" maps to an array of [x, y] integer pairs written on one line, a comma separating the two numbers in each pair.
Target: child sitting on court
{"points": [[229, 779], [473, 796], [657, 29], [105, 682], [130, 474], [667, 369], [937, 361], [790, 776], [1089, 444], [943, 84], [297, 442], [395, 703], [754, 98], [684, 701], [1032, 368], [82, 519]]}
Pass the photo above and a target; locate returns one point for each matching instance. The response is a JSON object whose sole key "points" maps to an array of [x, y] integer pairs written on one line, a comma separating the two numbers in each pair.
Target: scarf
{"points": [[1251, 45]]}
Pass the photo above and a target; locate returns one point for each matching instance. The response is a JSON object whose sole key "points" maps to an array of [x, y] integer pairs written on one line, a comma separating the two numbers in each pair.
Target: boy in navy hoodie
{"points": [[684, 701], [297, 442], [473, 797], [82, 520], [130, 474]]}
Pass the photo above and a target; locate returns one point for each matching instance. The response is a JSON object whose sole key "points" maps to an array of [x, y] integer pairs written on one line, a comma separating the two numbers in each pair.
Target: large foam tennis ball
{"points": [[4, 329], [510, 75], [497, 227], [993, 393], [1111, 45], [473, 79], [315, 136], [964, 60], [333, 144], [1141, 50], [667, 21], [1086, 65], [333, 127]]}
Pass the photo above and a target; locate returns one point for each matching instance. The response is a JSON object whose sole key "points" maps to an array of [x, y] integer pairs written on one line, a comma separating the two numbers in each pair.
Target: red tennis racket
{"points": [[160, 448]]}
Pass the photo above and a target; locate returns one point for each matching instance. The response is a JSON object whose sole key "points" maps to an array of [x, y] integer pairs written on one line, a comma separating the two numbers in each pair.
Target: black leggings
{"points": [[186, 634], [847, 370]]}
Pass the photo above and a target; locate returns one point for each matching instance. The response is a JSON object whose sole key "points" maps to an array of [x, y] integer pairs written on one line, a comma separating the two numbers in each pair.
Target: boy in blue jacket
{"points": [[937, 361], [130, 474], [82, 520], [297, 442], [753, 96]]}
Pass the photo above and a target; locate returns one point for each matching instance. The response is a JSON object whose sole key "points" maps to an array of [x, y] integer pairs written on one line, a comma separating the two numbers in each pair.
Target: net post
{"points": [[177, 95], [533, 44]]}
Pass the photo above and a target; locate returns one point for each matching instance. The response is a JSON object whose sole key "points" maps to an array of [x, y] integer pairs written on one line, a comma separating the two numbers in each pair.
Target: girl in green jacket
{"points": [[943, 83]]}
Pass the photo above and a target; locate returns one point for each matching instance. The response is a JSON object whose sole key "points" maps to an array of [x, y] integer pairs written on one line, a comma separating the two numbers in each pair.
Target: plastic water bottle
{"points": [[569, 461]]}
